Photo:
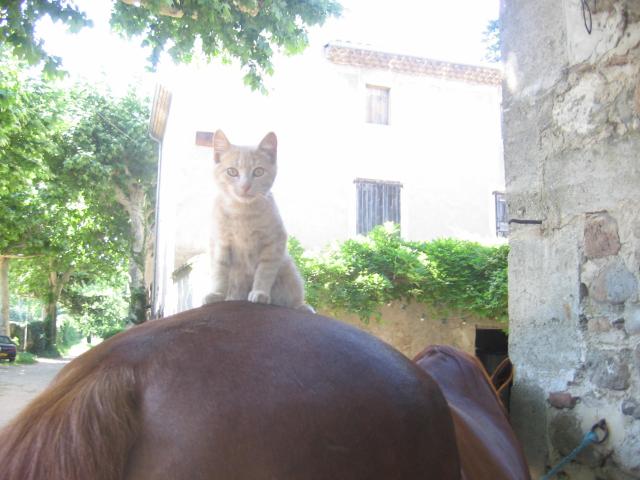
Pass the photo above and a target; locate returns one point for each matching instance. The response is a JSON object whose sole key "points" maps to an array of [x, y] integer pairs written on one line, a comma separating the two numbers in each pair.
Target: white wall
{"points": [[443, 143]]}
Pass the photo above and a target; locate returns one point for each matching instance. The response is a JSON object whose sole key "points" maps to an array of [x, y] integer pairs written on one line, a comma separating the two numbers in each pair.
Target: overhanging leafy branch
{"points": [[363, 274]]}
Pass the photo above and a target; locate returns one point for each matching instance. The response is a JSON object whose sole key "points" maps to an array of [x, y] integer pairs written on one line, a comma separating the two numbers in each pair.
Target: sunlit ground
{"points": [[80, 348]]}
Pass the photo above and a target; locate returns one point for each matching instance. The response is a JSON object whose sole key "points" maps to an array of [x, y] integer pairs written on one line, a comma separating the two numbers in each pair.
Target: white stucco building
{"points": [[363, 135]]}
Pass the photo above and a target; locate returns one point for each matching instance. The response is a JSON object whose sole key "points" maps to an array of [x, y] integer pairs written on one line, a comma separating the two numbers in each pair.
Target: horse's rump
{"points": [[236, 391], [487, 445]]}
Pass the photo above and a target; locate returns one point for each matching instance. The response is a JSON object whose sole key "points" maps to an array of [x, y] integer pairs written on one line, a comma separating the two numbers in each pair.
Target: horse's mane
{"points": [[80, 428]]}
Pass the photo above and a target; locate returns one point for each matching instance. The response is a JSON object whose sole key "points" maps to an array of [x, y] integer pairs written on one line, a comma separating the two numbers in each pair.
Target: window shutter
{"points": [[502, 216], [377, 202], [377, 105]]}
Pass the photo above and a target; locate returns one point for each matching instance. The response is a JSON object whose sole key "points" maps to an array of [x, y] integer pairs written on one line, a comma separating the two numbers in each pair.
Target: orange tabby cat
{"points": [[249, 243]]}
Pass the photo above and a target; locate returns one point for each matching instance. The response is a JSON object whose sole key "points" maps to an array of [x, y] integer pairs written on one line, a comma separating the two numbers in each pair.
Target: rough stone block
{"points": [[614, 283], [604, 6], [601, 237], [599, 325], [632, 319], [618, 323], [562, 400], [631, 407], [609, 371], [633, 11]]}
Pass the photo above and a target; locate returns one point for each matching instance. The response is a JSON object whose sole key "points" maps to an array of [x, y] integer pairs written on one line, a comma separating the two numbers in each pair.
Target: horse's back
{"points": [[487, 445], [240, 391]]}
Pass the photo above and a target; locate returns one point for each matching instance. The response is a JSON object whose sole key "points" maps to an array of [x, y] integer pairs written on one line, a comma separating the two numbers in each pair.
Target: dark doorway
{"points": [[492, 347]]}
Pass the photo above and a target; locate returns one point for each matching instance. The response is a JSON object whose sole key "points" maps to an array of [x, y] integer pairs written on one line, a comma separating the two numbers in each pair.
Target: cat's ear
{"points": [[220, 145], [269, 144]]}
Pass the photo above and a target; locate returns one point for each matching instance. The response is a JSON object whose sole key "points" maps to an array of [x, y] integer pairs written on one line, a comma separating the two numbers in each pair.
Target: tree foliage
{"points": [[97, 308], [109, 142], [361, 275], [491, 38], [83, 240], [30, 125], [244, 30], [18, 22], [66, 153], [31, 122], [113, 159]]}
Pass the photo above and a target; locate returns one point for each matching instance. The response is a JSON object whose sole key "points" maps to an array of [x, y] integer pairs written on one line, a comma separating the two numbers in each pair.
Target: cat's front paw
{"points": [[257, 296], [214, 297]]}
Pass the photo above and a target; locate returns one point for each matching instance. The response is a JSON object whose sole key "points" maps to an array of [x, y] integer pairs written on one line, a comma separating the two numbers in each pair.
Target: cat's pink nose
{"points": [[245, 188]]}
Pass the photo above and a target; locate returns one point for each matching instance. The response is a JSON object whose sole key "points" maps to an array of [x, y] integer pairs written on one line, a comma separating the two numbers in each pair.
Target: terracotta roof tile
{"points": [[341, 54]]}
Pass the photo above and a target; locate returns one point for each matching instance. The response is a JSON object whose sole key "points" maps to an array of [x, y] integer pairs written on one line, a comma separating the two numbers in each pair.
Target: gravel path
{"points": [[20, 383]]}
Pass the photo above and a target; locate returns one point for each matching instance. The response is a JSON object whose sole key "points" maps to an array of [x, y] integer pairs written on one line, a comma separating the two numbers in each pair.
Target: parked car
{"points": [[7, 349]]}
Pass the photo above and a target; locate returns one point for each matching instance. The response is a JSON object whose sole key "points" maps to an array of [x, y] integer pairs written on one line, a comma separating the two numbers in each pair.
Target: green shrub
{"points": [[37, 338], [111, 332], [51, 352], [68, 334], [361, 275], [26, 358]]}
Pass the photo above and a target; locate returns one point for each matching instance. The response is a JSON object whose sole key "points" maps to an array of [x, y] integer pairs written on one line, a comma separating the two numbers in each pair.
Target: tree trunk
{"points": [[51, 322], [138, 304], [56, 284], [135, 203], [4, 296]]}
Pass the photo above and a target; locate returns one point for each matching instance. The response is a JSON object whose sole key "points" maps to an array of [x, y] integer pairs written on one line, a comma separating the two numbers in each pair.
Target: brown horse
{"points": [[487, 445], [235, 391]]}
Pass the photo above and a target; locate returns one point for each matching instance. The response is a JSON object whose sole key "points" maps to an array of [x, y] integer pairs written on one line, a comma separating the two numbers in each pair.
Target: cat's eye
{"points": [[232, 172], [258, 172]]}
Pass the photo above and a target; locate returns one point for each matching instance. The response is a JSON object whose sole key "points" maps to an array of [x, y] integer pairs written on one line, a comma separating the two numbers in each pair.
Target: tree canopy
{"points": [[30, 124], [491, 39], [113, 159], [75, 166], [18, 23], [98, 308], [244, 30], [85, 238]]}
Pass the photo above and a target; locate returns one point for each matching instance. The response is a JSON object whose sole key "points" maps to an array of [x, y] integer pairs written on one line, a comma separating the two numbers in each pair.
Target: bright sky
{"points": [[445, 30]]}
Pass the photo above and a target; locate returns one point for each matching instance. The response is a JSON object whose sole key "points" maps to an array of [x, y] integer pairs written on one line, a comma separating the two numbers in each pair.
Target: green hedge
{"points": [[26, 358], [361, 275], [111, 332]]}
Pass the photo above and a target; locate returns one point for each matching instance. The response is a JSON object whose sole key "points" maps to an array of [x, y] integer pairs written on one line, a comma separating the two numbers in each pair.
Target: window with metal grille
{"points": [[502, 217], [377, 105], [378, 201]]}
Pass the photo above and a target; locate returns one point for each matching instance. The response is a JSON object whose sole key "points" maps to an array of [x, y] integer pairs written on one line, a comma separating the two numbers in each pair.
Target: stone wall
{"points": [[412, 327], [571, 128]]}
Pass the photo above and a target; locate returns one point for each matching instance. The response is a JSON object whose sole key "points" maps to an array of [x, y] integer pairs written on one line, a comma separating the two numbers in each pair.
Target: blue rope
{"points": [[588, 439]]}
